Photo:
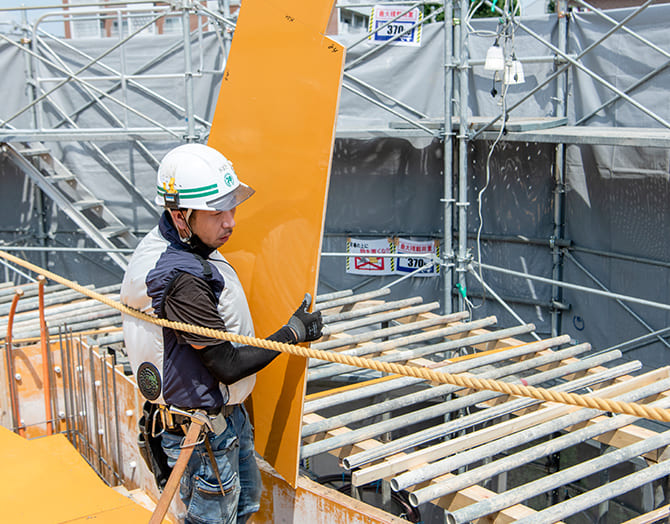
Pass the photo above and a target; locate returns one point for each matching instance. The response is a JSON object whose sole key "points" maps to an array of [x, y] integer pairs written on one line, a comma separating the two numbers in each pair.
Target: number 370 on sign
{"points": [[397, 23]]}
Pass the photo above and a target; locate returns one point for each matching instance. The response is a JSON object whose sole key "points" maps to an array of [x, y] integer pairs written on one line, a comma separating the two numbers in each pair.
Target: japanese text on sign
{"points": [[370, 264], [414, 247], [389, 22]]}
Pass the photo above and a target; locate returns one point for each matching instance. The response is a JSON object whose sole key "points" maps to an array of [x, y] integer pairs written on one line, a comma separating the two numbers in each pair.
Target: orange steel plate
{"points": [[275, 120], [46, 480]]}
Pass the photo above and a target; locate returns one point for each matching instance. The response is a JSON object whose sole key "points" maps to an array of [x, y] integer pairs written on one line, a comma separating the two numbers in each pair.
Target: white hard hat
{"points": [[196, 176]]}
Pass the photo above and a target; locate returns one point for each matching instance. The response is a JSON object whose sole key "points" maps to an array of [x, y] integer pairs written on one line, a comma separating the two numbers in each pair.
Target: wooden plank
{"points": [[653, 516], [275, 120]]}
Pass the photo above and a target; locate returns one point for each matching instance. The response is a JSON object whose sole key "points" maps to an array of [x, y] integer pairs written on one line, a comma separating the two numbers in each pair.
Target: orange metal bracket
{"points": [[9, 364], [44, 341]]}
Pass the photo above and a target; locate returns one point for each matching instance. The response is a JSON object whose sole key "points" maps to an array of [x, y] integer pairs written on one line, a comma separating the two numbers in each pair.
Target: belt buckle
{"points": [[218, 423]]}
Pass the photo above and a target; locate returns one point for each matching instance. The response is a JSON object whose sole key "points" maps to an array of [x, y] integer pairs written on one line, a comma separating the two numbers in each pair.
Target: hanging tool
{"points": [[198, 419]]}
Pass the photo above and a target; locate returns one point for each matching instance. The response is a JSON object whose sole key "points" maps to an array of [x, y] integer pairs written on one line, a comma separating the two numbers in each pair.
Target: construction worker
{"points": [[177, 273]]}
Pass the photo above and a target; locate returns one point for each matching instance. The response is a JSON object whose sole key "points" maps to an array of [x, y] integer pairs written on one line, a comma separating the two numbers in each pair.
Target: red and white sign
{"points": [[389, 22], [371, 263], [412, 263]]}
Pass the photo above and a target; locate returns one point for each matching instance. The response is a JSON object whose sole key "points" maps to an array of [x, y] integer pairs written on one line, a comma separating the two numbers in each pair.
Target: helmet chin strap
{"points": [[186, 219], [192, 240]]}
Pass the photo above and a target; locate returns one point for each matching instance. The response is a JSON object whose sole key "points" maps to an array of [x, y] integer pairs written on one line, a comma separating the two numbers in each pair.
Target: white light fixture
{"points": [[495, 61], [513, 72]]}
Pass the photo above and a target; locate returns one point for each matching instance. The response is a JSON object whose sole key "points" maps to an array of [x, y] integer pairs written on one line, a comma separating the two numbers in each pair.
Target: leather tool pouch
{"points": [[149, 443]]}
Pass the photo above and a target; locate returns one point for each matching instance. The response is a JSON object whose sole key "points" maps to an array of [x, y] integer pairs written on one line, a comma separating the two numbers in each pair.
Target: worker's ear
{"points": [[179, 220]]}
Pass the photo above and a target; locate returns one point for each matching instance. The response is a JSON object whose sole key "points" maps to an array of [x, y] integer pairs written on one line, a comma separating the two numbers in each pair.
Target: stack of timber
{"points": [[472, 452]]}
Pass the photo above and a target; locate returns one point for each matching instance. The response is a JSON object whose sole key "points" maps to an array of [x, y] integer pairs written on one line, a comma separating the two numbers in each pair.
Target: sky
{"points": [[7, 17]]}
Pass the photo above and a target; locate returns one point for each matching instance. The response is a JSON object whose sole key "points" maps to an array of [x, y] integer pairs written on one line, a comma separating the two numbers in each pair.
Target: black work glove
{"points": [[307, 326]]}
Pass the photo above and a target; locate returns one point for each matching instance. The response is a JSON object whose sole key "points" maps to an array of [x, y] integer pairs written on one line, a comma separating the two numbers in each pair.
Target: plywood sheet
{"points": [[46, 480], [275, 119]]}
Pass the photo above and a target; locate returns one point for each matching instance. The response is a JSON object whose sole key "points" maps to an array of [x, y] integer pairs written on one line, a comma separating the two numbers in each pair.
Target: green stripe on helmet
{"points": [[196, 192]]}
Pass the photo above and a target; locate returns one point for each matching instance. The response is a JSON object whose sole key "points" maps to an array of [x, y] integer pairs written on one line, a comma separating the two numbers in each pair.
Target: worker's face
{"points": [[214, 228]]}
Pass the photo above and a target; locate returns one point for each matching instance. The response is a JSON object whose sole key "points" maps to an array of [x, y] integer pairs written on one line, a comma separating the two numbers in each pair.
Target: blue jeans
{"points": [[234, 454]]}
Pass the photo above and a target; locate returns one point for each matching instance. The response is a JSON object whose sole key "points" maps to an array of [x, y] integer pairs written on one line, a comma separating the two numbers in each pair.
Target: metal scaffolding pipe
{"points": [[351, 299], [101, 321], [340, 327], [377, 91], [448, 167], [58, 297], [452, 426], [568, 58], [462, 203], [451, 367], [55, 311], [560, 478], [120, 175], [29, 290], [385, 332], [504, 304], [83, 314], [398, 464], [624, 306], [147, 65], [593, 75], [432, 392], [528, 455], [430, 412], [559, 176], [379, 308], [71, 76], [424, 351], [188, 74], [367, 349], [325, 297], [663, 332], [593, 291], [383, 106], [598, 495], [638, 37]]}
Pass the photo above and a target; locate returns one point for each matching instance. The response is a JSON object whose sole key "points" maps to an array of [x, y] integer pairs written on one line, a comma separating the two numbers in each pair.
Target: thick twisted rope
{"points": [[461, 380]]}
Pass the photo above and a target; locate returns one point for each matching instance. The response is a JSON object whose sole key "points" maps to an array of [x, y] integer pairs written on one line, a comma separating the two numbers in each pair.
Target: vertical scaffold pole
{"points": [[462, 204], [188, 74], [559, 175], [448, 199]]}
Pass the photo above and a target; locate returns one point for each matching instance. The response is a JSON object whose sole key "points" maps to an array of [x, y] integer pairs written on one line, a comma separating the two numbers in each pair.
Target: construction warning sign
{"points": [[395, 24], [371, 263], [412, 263]]}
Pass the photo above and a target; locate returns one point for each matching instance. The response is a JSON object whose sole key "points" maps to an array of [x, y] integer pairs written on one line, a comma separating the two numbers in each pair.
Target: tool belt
{"points": [[176, 421]]}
